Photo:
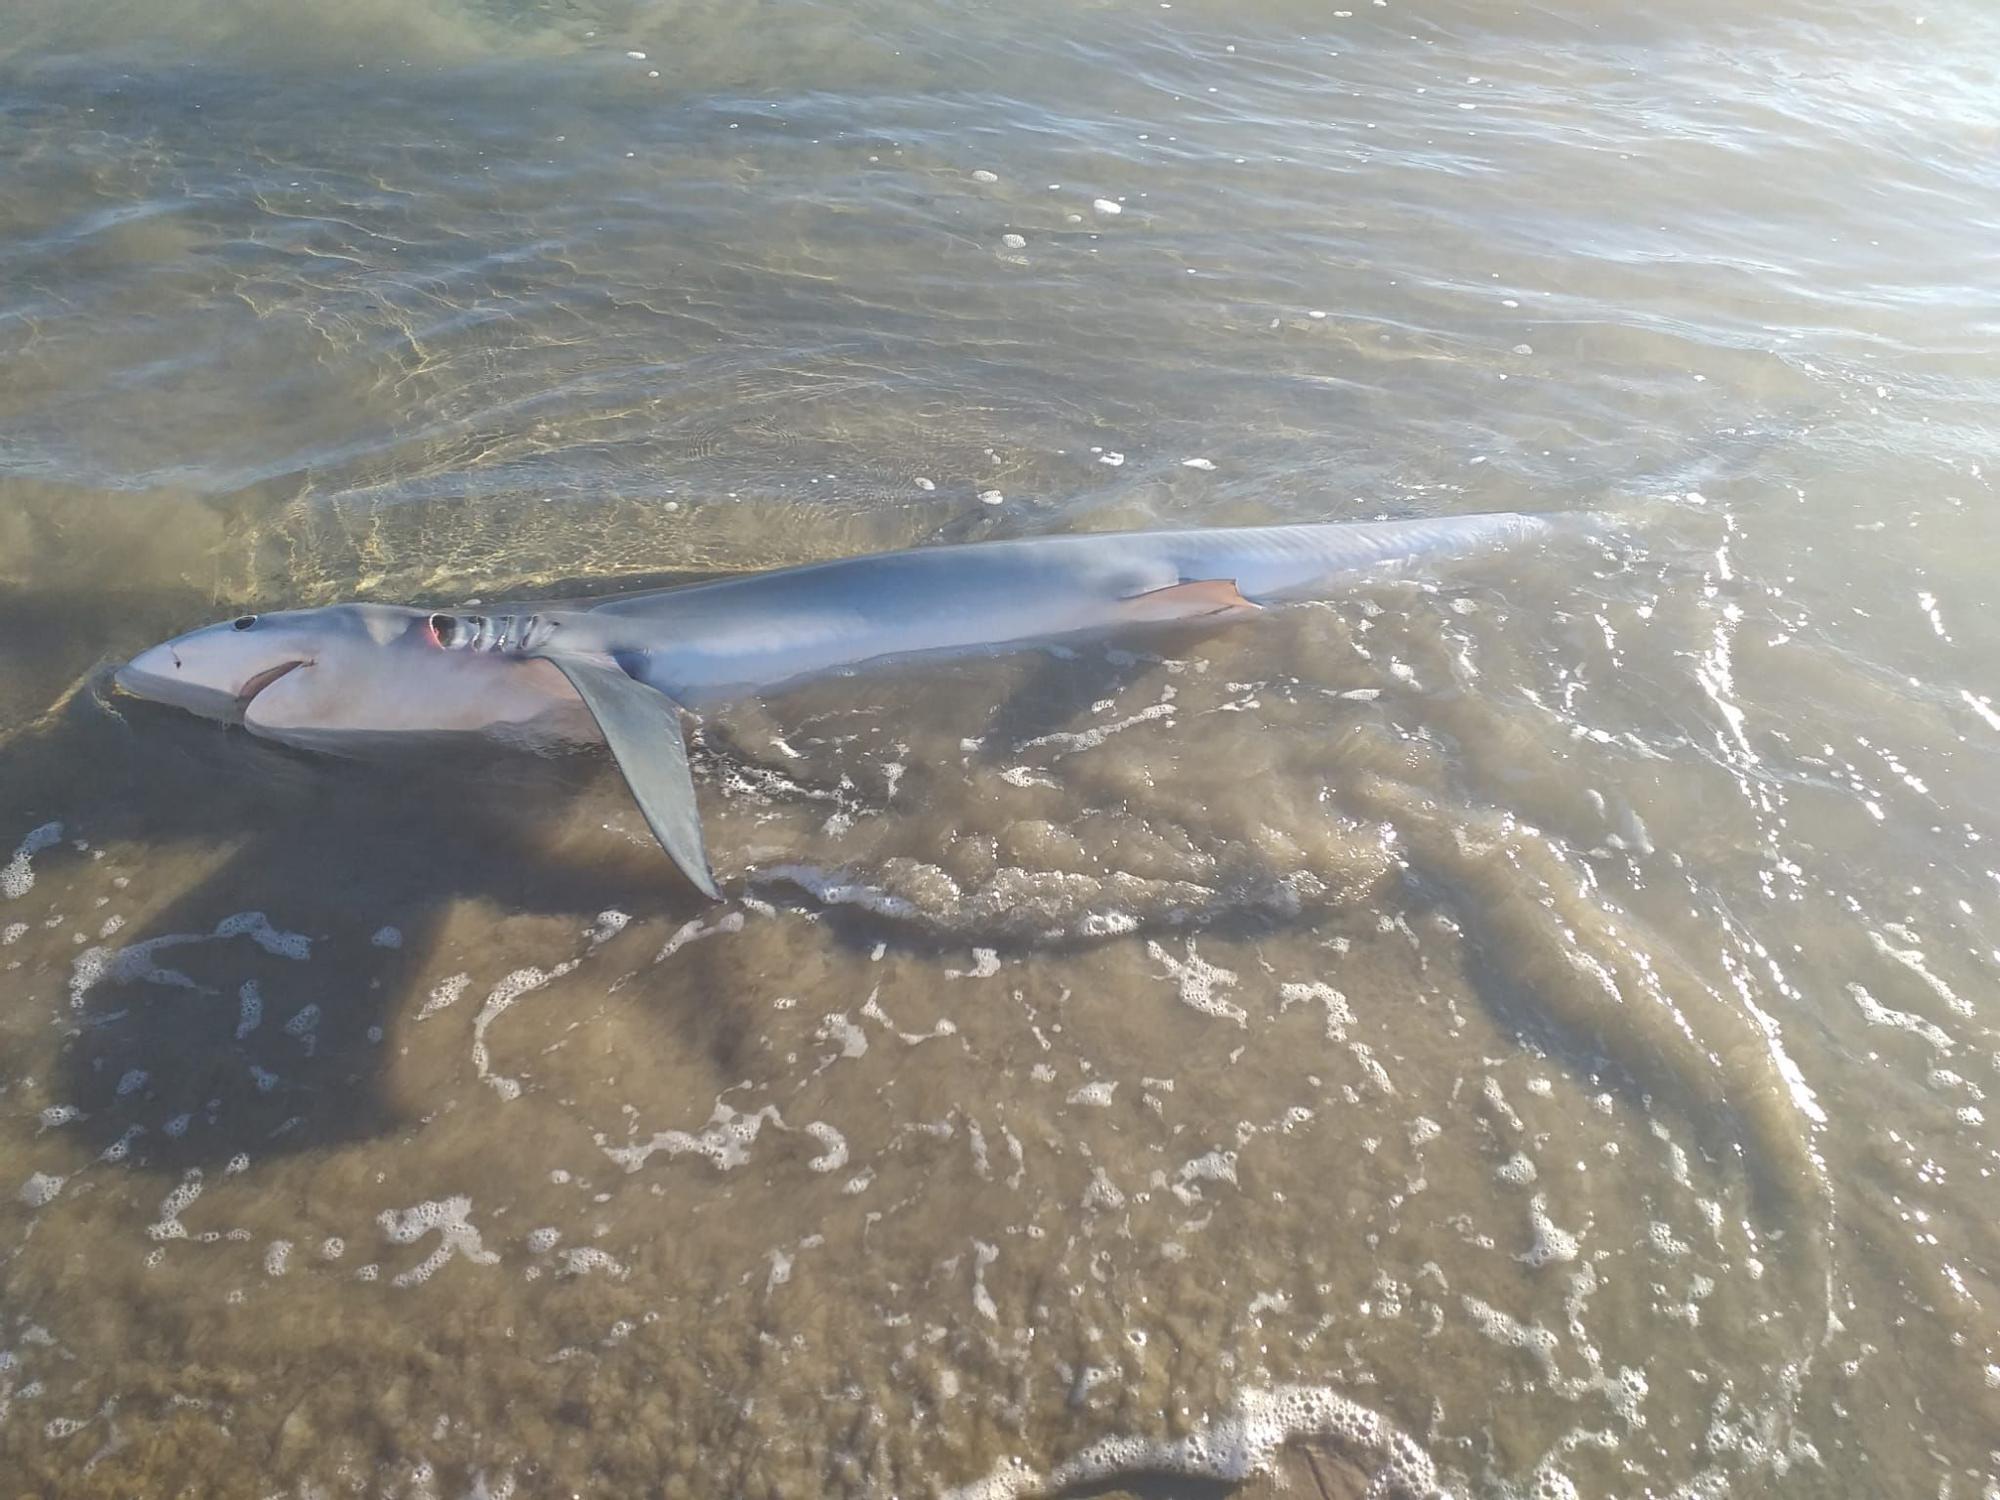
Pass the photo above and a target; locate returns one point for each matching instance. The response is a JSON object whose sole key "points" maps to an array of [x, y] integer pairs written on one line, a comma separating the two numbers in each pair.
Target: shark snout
{"points": [[160, 674]]}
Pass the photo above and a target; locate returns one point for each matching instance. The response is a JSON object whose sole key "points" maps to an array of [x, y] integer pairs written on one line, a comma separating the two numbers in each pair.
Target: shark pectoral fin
{"points": [[1203, 597], [641, 725]]}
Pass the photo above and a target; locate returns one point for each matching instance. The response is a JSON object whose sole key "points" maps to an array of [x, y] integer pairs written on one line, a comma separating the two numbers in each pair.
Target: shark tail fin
{"points": [[641, 726]]}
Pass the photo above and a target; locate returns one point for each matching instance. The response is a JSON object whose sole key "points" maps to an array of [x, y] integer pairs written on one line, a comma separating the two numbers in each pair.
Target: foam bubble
{"points": [[168, 1226], [1198, 981], [1552, 1244], [1216, 1166], [585, 1261], [1103, 1193], [1236, 1445], [17, 877], [725, 1140], [41, 1188], [450, 1218], [834, 1157], [985, 964], [257, 927], [448, 992], [1339, 1016], [503, 995], [249, 1009], [837, 1028]]}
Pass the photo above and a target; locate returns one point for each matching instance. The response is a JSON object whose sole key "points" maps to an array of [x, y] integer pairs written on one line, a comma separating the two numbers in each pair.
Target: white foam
{"points": [[587, 1260], [1097, 1093], [169, 1226], [1235, 1445], [983, 1255], [448, 992], [1496, 1101], [134, 963], [1878, 1014], [832, 890], [255, 926], [985, 964], [834, 1157], [17, 877], [1215, 1166], [1552, 1244], [1198, 981], [725, 1140], [694, 931], [1089, 739], [41, 1188], [1339, 1016], [1912, 958], [503, 995], [451, 1219], [249, 1008], [1103, 1193]]}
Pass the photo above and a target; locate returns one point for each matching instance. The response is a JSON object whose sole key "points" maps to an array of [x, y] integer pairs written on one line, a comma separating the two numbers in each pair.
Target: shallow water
{"points": [[1530, 1029]]}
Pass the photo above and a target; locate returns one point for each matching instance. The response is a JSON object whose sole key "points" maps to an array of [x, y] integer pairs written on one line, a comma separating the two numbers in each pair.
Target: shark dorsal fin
{"points": [[641, 726]]}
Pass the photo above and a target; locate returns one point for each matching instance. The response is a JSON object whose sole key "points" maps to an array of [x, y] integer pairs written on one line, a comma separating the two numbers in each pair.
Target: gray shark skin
{"points": [[348, 678]]}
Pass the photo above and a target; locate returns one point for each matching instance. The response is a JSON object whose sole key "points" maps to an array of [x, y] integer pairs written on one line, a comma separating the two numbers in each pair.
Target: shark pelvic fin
{"points": [[1193, 600], [641, 726]]}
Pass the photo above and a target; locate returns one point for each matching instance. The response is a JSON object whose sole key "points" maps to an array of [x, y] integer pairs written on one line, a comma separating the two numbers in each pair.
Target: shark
{"points": [[347, 679]]}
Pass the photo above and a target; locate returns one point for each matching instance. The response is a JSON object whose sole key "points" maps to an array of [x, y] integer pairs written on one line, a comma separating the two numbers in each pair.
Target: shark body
{"points": [[345, 678]]}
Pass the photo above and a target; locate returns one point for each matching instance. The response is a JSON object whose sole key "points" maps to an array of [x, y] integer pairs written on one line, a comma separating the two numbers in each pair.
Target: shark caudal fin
{"points": [[641, 725]]}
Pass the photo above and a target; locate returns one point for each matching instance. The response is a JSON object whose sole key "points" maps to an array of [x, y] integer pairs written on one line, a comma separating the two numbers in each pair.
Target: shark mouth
{"points": [[263, 680]]}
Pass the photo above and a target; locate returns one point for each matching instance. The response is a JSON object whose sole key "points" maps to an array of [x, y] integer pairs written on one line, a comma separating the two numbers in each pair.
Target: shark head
{"points": [[329, 678]]}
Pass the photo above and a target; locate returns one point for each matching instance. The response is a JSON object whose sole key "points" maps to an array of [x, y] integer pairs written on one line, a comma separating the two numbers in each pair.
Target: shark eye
{"points": [[244, 622], [445, 628]]}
